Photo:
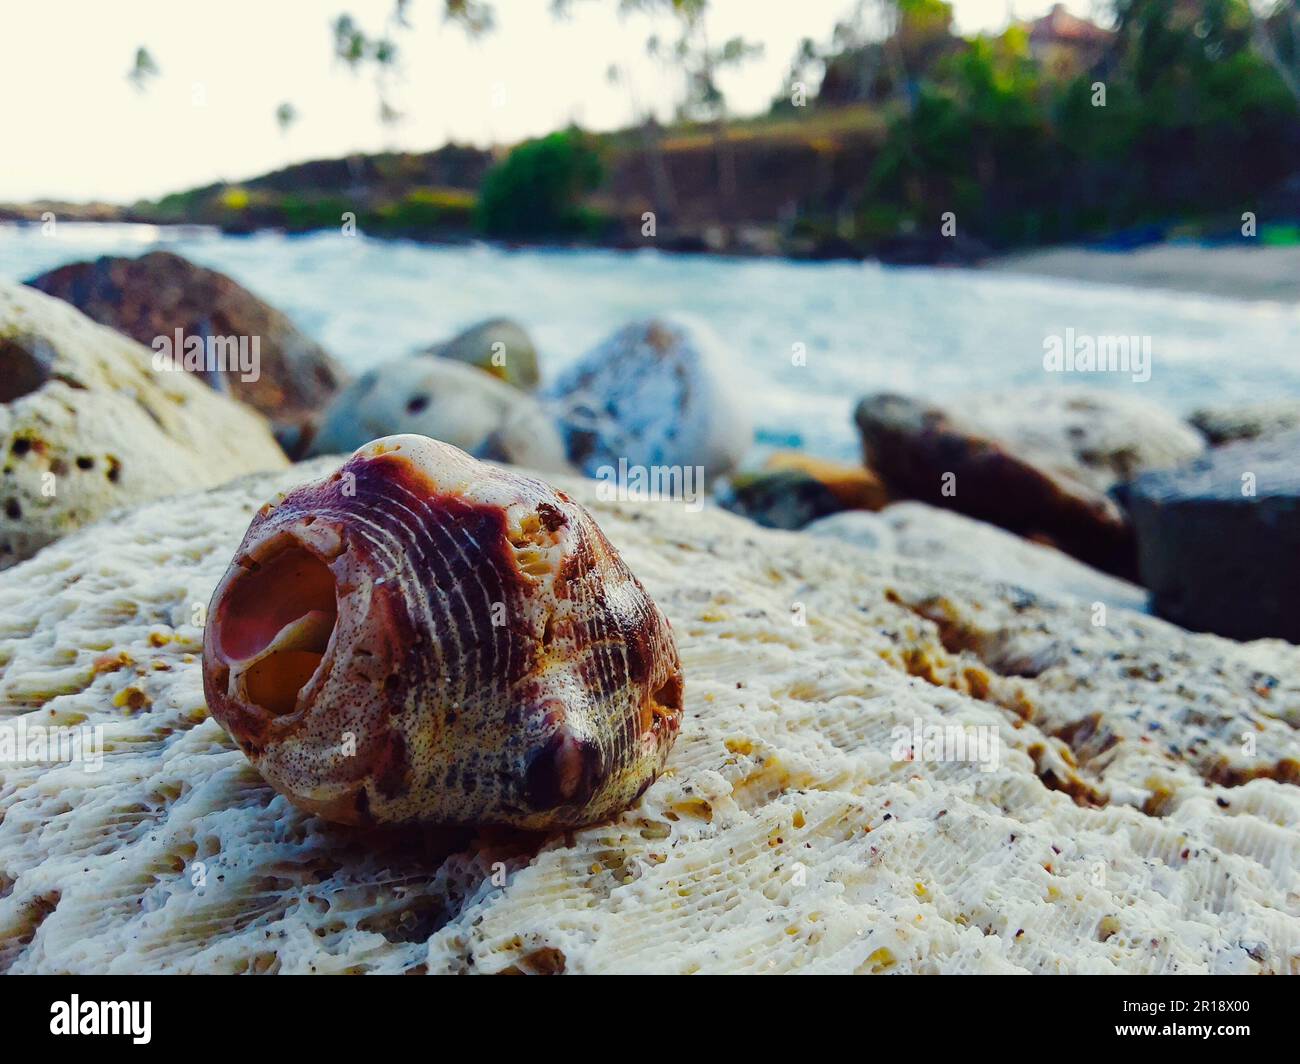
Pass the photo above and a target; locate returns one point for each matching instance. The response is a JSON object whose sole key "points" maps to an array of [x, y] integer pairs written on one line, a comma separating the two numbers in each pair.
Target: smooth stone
{"points": [[652, 394], [784, 498], [795, 488], [1216, 558], [448, 401], [1098, 438], [925, 453], [514, 362]]}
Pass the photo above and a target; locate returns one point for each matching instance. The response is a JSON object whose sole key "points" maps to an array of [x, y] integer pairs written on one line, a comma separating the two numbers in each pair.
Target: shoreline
{"points": [[1260, 273], [1257, 274]]}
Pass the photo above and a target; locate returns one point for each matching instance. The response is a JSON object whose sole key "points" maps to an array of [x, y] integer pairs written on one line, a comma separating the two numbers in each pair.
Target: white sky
{"points": [[72, 127]]}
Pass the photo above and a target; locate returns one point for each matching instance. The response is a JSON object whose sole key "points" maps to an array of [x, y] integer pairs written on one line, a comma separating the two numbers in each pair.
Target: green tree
{"points": [[143, 69], [975, 142], [538, 189]]}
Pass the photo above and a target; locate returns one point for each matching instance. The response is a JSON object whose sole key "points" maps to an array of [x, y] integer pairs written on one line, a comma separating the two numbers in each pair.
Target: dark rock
{"points": [[924, 453], [1037, 461], [1098, 438], [784, 498], [1216, 557], [155, 295]]}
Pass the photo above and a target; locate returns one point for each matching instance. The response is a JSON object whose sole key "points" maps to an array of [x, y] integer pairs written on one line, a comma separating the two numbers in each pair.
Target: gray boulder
{"points": [[1219, 539], [652, 394], [449, 401]]}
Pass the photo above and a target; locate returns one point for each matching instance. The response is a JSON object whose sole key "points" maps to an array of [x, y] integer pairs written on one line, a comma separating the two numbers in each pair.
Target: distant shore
{"points": [[1255, 273], [1234, 271]]}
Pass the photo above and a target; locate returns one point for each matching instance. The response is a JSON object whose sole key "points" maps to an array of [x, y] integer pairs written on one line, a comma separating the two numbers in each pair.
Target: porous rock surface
{"points": [[1125, 827], [951, 540], [87, 424]]}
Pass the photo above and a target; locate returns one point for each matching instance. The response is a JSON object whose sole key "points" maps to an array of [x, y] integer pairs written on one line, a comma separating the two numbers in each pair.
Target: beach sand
{"points": [[1256, 273]]}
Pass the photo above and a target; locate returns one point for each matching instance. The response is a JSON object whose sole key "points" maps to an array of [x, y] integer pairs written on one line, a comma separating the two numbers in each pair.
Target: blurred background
{"points": [[824, 130], [847, 198]]}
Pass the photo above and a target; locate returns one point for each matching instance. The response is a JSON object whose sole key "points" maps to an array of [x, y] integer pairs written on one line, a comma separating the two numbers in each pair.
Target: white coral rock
{"points": [[88, 424], [1122, 826]]}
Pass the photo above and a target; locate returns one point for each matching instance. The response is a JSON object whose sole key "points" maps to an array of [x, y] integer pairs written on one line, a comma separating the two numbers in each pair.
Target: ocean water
{"points": [[862, 327]]}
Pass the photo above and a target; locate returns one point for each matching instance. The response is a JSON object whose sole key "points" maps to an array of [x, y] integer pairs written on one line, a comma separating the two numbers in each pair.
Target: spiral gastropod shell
{"points": [[424, 638]]}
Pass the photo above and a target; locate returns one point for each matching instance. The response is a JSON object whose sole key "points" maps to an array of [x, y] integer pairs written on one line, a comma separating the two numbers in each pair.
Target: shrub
{"points": [[537, 190]]}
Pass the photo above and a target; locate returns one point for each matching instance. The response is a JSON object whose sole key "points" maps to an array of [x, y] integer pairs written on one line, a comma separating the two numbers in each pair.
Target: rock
{"points": [[778, 498], [1096, 438], [796, 488], [929, 535], [87, 424], [1216, 558], [159, 293], [449, 401], [651, 395], [1038, 462], [854, 487], [515, 362], [925, 249], [1228, 424], [1113, 747], [925, 453]]}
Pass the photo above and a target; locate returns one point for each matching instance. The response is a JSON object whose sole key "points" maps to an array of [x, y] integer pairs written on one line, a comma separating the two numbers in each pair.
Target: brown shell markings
{"points": [[423, 638]]}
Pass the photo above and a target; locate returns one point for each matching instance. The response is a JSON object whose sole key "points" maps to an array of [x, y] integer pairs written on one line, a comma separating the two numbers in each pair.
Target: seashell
{"points": [[424, 638]]}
